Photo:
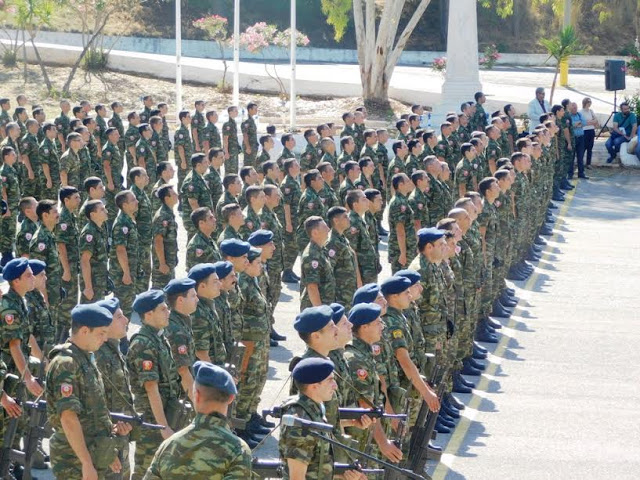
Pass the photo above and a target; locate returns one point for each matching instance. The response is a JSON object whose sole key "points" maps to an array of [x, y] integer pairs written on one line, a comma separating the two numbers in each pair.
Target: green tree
{"points": [[560, 48], [379, 45], [31, 16]]}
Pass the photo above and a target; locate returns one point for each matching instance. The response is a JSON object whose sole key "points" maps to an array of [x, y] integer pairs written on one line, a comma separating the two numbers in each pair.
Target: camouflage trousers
{"points": [[290, 250], [99, 284], [123, 455], [182, 173], [368, 270], [253, 381], [188, 225], [31, 187], [466, 326], [231, 165], [110, 202], [159, 279], [146, 446], [275, 286], [486, 299], [144, 268], [249, 159], [63, 320], [49, 193], [125, 293], [396, 266], [8, 231], [64, 462]]}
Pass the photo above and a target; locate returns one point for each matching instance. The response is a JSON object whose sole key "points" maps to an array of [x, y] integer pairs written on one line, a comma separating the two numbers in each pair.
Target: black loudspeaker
{"points": [[615, 72]]}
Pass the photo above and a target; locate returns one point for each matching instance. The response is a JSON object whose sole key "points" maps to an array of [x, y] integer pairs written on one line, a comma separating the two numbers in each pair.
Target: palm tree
{"points": [[561, 48]]}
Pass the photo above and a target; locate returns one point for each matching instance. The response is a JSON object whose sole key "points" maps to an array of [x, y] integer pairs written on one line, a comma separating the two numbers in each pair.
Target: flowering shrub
{"points": [[214, 26], [489, 57], [633, 65], [439, 65]]}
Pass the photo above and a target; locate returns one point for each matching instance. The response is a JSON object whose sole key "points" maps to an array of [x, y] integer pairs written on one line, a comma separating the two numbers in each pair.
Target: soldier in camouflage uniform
{"points": [[255, 333], [138, 181], [165, 238], [493, 152], [291, 194], [359, 237], [183, 301], [230, 143], [113, 165], [304, 455], [123, 252], [310, 204], [445, 149], [202, 248], [269, 221], [5, 118], [116, 122], [488, 224], [157, 144], [153, 373], [250, 136], [30, 170], [402, 234], [439, 198], [419, 200], [255, 198], [93, 246], [11, 191], [183, 146], [50, 162], [67, 233], [200, 142], [342, 257], [235, 251], [40, 319], [233, 219], [115, 376], [347, 155], [74, 386], [206, 448], [211, 132], [165, 173], [145, 152], [101, 125], [465, 178], [206, 325], [43, 247], [288, 144], [312, 153], [318, 284], [62, 125], [327, 194], [131, 137], [479, 118], [212, 177], [232, 187], [194, 192], [27, 227]]}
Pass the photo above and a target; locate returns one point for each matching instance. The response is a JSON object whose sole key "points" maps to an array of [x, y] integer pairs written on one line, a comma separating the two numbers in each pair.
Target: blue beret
{"points": [[91, 315], [313, 319], [213, 376], [394, 285], [312, 370], [338, 312], [232, 247], [429, 235], [37, 266], [254, 253], [15, 268], [201, 271], [260, 237], [179, 285], [223, 268], [364, 313], [366, 294], [147, 301], [412, 275], [112, 304]]}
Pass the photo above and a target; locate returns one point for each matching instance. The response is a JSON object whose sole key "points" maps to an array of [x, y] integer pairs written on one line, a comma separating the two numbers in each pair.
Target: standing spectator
{"points": [[578, 122], [537, 107], [589, 129], [625, 126]]}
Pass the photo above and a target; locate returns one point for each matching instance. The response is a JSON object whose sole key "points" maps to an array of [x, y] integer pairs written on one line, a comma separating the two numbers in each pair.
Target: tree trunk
{"points": [[24, 57], [553, 84], [74, 68], [43, 69]]}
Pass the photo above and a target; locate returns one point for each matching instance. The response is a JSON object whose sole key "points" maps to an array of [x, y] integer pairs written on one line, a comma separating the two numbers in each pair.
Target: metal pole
{"points": [[178, 57], [292, 88], [236, 53]]}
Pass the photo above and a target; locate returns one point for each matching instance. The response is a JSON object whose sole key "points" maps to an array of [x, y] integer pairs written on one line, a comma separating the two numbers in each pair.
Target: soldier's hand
{"points": [[432, 401], [354, 475], [30, 174], [183, 165], [126, 279], [166, 433], [33, 386], [363, 422], [289, 228], [248, 150], [116, 466], [66, 276], [89, 472], [10, 406], [402, 259], [88, 293], [110, 186], [164, 268], [122, 428], [49, 184], [227, 156], [390, 451]]}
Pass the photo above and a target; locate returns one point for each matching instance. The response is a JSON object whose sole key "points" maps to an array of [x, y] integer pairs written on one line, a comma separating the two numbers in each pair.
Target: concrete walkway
{"points": [[560, 397]]}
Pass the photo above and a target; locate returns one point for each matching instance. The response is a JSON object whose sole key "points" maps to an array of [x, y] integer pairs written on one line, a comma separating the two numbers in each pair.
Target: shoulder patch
{"points": [[397, 334], [66, 389], [182, 349], [41, 246], [8, 318], [362, 374], [314, 264], [147, 365], [89, 238]]}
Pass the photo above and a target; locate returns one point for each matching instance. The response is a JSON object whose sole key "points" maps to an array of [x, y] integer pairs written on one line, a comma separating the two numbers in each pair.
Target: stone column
{"points": [[462, 78]]}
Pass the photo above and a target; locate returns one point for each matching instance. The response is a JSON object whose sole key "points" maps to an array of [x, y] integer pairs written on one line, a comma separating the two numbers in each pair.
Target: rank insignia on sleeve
{"points": [[397, 334], [182, 349], [362, 374], [66, 389], [147, 365]]}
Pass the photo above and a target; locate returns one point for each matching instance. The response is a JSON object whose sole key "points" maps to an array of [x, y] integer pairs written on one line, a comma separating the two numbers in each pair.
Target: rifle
{"points": [[275, 468], [235, 360], [8, 454], [346, 413], [136, 420], [423, 432]]}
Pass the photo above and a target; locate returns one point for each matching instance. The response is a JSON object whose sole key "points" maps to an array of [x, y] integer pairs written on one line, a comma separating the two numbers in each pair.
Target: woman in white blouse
{"points": [[589, 129]]}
